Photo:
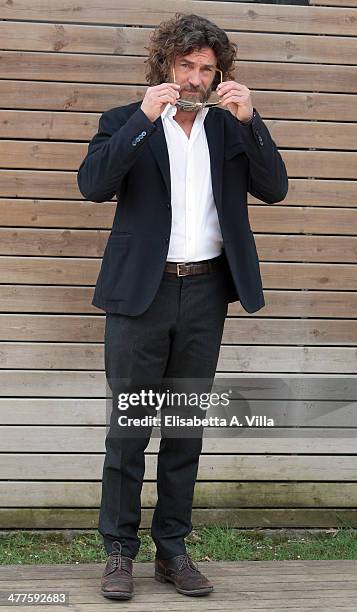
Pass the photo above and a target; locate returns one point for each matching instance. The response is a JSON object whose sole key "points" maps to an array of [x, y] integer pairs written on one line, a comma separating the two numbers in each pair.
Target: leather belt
{"points": [[194, 267]]}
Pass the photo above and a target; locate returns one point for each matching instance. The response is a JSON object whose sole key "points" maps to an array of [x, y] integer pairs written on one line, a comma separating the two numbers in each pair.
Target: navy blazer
{"points": [[128, 157]]}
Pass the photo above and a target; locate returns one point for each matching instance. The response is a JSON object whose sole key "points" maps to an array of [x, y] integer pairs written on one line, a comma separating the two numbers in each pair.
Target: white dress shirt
{"points": [[195, 231]]}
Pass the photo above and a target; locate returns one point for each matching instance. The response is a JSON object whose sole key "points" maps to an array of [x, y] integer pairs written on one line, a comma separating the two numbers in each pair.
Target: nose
{"points": [[194, 79]]}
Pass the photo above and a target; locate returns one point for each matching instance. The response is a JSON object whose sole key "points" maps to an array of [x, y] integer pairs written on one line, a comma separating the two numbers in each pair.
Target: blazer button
{"points": [[168, 205]]}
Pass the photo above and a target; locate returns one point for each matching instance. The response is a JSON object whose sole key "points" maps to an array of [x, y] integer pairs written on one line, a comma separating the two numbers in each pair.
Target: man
{"points": [[180, 250]]}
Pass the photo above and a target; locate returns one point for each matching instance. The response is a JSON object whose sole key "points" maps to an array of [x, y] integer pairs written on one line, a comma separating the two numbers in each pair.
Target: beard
{"points": [[194, 94]]}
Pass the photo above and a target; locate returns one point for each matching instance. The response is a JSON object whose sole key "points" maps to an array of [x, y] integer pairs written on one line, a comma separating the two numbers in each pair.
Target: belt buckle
{"points": [[185, 273]]}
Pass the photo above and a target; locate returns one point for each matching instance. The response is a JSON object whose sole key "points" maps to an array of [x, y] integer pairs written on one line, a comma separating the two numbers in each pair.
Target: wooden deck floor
{"points": [[294, 586]]}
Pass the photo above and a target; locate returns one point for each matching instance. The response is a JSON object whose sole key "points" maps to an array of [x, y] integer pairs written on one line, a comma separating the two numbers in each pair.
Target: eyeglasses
{"points": [[213, 99]]}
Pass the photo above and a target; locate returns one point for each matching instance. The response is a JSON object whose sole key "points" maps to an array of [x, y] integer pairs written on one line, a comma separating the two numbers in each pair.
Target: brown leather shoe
{"points": [[117, 579], [185, 575]]}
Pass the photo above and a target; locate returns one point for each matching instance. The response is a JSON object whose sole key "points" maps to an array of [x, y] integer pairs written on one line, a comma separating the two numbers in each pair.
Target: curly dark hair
{"points": [[181, 35]]}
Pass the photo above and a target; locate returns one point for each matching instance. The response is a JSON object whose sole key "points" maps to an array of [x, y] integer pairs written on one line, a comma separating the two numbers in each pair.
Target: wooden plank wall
{"points": [[64, 63]]}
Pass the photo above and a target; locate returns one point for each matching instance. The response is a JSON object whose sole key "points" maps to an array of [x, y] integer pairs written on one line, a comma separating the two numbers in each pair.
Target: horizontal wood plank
{"points": [[72, 328], [84, 97], [274, 571], [336, 3], [121, 40], [80, 271], [27, 298], [50, 271], [84, 439], [47, 125], [279, 18], [302, 220], [50, 184], [15, 383], [39, 155], [72, 215], [92, 384], [295, 413], [275, 247], [232, 358], [207, 494], [94, 68], [266, 18], [71, 299]]}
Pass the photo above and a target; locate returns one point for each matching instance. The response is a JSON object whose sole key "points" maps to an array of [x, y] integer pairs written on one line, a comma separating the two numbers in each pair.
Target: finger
{"points": [[233, 98], [234, 92], [227, 83], [224, 88]]}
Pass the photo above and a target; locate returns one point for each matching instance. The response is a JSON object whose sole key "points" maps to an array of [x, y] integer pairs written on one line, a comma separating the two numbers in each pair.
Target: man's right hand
{"points": [[157, 97]]}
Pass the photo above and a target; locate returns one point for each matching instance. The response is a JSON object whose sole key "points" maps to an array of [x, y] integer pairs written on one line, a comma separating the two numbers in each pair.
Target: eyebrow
{"points": [[192, 63]]}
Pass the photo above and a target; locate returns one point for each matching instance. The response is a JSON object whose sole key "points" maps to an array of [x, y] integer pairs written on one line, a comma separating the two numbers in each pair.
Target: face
{"points": [[195, 73]]}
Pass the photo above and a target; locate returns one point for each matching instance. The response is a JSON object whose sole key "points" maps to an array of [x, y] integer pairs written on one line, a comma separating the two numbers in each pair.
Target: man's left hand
{"points": [[237, 99]]}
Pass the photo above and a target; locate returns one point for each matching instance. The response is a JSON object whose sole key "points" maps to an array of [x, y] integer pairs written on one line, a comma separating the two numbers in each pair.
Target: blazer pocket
{"points": [[116, 267]]}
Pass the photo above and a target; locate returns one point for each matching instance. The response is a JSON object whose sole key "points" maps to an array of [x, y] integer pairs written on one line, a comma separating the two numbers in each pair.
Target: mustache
{"points": [[205, 93], [193, 89]]}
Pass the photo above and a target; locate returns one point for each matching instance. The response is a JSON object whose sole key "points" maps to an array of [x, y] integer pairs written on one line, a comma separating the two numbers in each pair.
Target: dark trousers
{"points": [[178, 336]]}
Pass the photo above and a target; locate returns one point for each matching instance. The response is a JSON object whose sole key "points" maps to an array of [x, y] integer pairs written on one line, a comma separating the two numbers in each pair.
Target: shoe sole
{"points": [[195, 593], [117, 595]]}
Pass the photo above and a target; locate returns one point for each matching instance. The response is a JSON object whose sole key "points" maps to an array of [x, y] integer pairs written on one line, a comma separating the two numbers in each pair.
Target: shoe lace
{"points": [[117, 558], [187, 563]]}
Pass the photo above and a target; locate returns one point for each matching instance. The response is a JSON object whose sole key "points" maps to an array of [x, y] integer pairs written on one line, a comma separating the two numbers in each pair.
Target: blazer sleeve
{"points": [[268, 179], [111, 153]]}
